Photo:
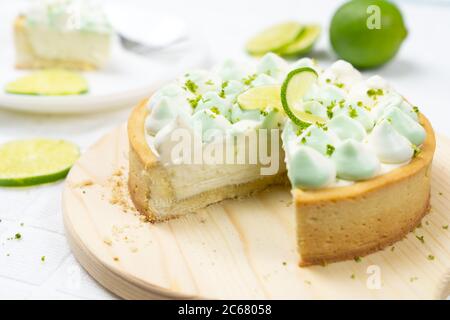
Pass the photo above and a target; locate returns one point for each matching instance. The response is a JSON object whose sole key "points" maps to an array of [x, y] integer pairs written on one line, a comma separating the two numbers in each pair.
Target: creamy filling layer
{"points": [[51, 44], [191, 180]]}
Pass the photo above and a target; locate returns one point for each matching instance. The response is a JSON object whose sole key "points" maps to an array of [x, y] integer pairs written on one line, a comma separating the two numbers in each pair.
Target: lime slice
{"points": [[49, 83], [294, 87], [274, 38], [260, 98], [35, 161], [304, 43]]}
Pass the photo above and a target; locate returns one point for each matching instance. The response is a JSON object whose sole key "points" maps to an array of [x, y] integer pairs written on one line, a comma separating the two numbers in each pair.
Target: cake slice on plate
{"points": [[71, 34], [356, 153]]}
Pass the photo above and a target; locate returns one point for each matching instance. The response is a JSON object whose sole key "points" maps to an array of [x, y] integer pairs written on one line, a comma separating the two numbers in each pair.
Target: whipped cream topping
{"points": [[369, 128], [312, 169], [68, 15], [207, 100], [355, 160]]}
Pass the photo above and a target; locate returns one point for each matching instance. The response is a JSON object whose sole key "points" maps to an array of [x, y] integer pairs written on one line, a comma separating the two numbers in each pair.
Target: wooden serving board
{"points": [[238, 248]]}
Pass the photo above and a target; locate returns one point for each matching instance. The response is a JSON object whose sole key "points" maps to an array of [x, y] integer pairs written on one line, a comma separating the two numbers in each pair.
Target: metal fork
{"points": [[146, 49]]}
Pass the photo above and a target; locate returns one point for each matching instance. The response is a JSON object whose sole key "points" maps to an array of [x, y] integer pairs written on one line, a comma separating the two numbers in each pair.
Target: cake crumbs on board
{"points": [[82, 184], [119, 191], [126, 233], [134, 249], [107, 241]]}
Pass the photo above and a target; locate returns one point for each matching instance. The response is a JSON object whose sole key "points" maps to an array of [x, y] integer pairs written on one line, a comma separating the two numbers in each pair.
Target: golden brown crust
{"points": [[136, 135], [26, 58], [47, 64], [383, 243], [141, 159]]}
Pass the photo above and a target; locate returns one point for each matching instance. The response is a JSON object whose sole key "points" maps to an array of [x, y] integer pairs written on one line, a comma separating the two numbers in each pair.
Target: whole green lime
{"points": [[367, 33]]}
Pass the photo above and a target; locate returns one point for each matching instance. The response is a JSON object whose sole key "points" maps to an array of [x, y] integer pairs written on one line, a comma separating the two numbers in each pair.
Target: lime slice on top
{"points": [[274, 38], [49, 83], [294, 87], [35, 161], [304, 43], [260, 98]]}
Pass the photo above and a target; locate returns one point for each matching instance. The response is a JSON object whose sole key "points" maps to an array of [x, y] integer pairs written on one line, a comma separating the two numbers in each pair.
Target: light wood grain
{"points": [[238, 248]]}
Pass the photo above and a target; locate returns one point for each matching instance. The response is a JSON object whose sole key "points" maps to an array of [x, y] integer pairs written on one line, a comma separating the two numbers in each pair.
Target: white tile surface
{"points": [[421, 72], [12, 289], [24, 260], [46, 293], [14, 201], [72, 279], [46, 211]]}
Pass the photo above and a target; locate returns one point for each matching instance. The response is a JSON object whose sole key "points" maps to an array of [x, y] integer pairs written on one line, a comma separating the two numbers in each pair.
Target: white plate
{"points": [[126, 79]]}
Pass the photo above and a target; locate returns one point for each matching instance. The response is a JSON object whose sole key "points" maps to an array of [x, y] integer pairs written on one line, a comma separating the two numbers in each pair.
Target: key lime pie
{"points": [[357, 154], [73, 34]]}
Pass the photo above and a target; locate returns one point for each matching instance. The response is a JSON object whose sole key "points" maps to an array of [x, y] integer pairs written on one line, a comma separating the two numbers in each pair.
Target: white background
{"points": [[421, 72]]}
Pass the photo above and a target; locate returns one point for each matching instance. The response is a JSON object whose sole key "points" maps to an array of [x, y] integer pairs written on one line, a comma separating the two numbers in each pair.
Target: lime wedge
{"points": [[35, 161], [260, 98], [294, 87], [304, 43], [49, 83], [274, 38]]}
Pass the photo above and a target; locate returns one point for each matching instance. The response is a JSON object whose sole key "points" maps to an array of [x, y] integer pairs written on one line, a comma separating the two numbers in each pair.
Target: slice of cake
{"points": [[358, 162], [72, 34]]}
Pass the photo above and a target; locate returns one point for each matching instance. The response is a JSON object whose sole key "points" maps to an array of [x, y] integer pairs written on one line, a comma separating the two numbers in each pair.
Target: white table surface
{"points": [[421, 72]]}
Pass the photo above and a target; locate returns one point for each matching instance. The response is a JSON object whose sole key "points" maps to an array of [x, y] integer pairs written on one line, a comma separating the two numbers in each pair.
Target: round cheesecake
{"points": [[62, 34], [376, 185]]}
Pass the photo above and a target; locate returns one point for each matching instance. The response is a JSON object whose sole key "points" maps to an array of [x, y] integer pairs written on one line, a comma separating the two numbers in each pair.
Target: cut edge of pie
{"points": [[27, 59], [333, 224], [149, 182]]}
